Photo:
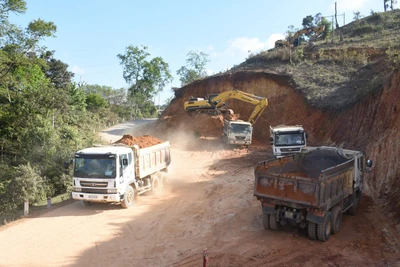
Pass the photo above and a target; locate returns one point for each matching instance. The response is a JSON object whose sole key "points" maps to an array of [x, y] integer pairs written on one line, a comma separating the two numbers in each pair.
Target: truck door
{"points": [[126, 173]]}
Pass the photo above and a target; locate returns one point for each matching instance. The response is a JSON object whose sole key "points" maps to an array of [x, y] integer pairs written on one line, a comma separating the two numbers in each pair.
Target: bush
{"points": [[366, 29]]}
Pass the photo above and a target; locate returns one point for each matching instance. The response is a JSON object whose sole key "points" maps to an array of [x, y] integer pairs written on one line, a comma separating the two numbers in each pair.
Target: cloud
{"points": [[77, 70], [349, 4], [272, 38], [246, 45]]}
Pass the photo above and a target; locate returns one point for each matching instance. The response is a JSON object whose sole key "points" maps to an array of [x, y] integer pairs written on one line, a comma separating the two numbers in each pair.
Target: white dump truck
{"points": [[237, 132], [287, 140], [117, 173]]}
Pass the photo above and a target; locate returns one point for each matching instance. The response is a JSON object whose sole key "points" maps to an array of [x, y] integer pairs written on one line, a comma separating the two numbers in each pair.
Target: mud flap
{"points": [[315, 218], [268, 210]]}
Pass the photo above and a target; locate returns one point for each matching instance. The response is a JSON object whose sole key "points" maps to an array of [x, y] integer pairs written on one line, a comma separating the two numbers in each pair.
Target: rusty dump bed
{"points": [[315, 178]]}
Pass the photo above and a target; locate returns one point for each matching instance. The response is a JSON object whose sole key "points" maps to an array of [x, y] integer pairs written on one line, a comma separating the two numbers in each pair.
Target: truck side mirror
{"points": [[306, 135], [369, 163], [271, 140], [67, 163], [125, 162]]}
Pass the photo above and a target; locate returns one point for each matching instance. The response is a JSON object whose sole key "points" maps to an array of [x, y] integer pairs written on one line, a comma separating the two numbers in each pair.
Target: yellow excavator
{"points": [[235, 132], [293, 41], [214, 104]]}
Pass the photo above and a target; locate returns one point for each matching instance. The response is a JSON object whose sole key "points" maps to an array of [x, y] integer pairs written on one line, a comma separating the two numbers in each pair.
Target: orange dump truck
{"points": [[310, 189]]}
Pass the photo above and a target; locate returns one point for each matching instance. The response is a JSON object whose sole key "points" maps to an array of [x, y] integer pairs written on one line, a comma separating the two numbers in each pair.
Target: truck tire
{"points": [[324, 229], [337, 219], [312, 230], [129, 198], [156, 185], [273, 223], [353, 208], [265, 220], [164, 179]]}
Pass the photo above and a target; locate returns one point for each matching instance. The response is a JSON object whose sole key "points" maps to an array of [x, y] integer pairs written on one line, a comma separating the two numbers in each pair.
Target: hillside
{"points": [[344, 93]]}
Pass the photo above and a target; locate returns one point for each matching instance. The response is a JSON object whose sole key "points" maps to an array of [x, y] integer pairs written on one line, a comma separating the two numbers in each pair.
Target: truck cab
{"points": [[102, 173], [287, 140], [237, 132]]}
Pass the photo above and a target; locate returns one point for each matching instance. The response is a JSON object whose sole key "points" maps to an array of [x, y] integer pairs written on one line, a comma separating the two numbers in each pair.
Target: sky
{"points": [[90, 33]]}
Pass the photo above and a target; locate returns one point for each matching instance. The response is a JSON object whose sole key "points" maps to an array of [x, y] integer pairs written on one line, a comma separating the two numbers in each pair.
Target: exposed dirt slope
{"points": [[371, 125]]}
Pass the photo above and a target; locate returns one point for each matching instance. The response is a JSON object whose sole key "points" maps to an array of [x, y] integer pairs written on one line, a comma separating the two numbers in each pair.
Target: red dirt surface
{"points": [[142, 141]]}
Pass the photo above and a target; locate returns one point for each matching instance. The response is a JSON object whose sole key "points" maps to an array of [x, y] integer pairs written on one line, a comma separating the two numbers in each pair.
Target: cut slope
{"points": [[371, 125]]}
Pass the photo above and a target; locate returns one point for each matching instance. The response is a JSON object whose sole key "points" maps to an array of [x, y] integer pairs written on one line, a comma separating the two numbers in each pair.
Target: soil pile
{"points": [[142, 141]]}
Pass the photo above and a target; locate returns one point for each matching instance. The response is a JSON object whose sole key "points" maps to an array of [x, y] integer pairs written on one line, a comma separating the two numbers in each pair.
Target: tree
{"points": [[95, 101], [392, 2], [328, 28], [385, 4], [317, 18], [195, 68], [56, 70], [145, 77], [308, 22], [357, 15]]}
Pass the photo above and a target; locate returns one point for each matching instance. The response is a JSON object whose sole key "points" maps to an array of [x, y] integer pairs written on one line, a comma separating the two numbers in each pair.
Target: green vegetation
{"points": [[45, 116], [145, 77], [334, 74], [195, 68]]}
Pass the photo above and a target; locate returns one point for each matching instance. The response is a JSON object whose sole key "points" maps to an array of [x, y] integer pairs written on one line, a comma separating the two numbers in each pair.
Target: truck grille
{"points": [[93, 184], [240, 137], [294, 149], [94, 190]]}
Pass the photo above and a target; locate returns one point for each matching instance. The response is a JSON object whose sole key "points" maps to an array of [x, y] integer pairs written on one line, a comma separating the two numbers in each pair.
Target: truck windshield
{"points": [[93, 166], [290, 139], [241, 128]]}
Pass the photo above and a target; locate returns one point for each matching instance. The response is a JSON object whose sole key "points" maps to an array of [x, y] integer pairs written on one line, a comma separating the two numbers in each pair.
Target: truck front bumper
{"points": [[96, 197], [239, 142]]}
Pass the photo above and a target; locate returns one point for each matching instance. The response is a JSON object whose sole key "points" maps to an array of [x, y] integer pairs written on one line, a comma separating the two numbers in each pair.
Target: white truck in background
{"points": [[237, 132], [117, 173], [287, 140]]}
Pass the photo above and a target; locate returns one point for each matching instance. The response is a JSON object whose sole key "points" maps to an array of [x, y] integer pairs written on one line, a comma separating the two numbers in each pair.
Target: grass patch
{"points": [[37, 209]]}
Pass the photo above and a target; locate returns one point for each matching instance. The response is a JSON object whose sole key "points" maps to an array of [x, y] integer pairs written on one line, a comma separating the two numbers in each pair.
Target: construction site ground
{"points": [[209, 203]]}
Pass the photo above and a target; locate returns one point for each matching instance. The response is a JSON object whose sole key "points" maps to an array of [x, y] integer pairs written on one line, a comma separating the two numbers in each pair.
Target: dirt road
{"points": [[209, 204]]}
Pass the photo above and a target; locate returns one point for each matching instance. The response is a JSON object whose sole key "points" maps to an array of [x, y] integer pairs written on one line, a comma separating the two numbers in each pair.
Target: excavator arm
{"points": [[218, 102], [317, 32]]}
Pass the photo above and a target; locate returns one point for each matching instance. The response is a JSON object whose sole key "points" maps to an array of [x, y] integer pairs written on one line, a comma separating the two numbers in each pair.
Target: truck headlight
{"points": [[112, 191], [77, 189]]}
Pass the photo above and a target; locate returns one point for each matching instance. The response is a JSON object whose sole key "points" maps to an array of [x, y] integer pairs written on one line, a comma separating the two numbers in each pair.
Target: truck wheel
{"points": [[164, 179], [337, 219], [353, 208], [312, 230], [273, 223], [324, 229], [156, 185], [265, 220], [129, 198]]}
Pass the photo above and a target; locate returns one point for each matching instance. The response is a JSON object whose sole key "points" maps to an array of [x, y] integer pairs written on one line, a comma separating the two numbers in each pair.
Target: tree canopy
{"points": [[195, 68], [146, 77]]}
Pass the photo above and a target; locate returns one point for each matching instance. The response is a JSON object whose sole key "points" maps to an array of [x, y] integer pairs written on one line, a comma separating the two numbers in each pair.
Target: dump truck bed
{"points": [[315, 178], [152, 159]]}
